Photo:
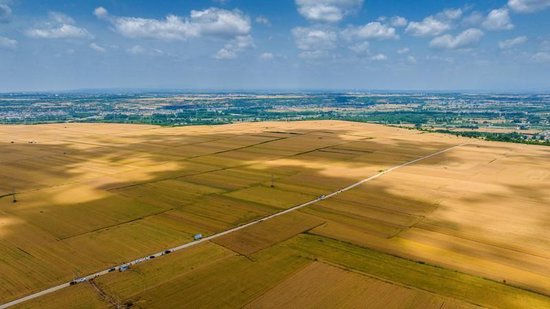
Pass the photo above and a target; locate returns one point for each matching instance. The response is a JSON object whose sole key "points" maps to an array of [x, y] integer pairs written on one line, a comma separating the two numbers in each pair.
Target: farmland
{"points": [[432, 234]]}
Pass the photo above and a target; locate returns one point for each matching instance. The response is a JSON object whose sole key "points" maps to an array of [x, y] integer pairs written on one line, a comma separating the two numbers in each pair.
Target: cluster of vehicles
{"points": [[126, 266]]}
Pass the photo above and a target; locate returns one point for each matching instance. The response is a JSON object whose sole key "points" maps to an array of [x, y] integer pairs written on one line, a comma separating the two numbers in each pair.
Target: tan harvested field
{"points": [[83, 296], [268, 233], [91, 196]]}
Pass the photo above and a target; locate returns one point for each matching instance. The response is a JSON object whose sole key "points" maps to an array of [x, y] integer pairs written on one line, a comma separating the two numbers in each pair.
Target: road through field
{"points": [[205, 239]]}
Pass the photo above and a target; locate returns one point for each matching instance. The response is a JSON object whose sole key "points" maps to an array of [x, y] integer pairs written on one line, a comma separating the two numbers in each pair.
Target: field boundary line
{"points": [[396, 283], [237, 228]]}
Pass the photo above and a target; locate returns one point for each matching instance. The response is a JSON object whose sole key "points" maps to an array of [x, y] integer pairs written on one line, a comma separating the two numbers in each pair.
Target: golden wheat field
{"points": [[465, 228]]}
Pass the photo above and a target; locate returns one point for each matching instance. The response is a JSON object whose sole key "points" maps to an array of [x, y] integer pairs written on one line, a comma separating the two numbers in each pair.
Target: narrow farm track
{"points": [[205, 239]]}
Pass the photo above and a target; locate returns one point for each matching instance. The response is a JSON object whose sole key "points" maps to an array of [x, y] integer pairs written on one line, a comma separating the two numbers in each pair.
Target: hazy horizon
{"points": [[274, 91]]}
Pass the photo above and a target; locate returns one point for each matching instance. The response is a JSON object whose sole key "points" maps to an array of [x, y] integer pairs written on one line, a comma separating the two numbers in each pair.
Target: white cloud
{"points": [[435, 24], [313, 38], [232, 49], [507, 44], [451, 14], [314, 54], [528, 6], [449, 60], [372, 30], [378, 57], [542, 56], [475, 18], [398, 21], [221, 23], [411, 59], [140, 50], [212, 22], [97, 48], [327, 10], [315, 42], [362, 48], [465, 39], [5, 13], [101, 12], [427, 27], [59, 26], [498, 19], [225, 54], [262, 20], [137, 50], [172, 28], [7, 43], [403, 50], [267, 56], [233, 26]]}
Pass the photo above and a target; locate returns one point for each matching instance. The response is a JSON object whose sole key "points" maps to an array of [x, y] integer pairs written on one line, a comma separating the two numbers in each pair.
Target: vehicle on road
{"points": [[78, 280]]}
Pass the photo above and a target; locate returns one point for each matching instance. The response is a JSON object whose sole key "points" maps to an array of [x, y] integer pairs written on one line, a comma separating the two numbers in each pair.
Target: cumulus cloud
{"points": [[498, 19], [330, 11], [314, 54], [97, 47], [315, 42], [542, 56], [262, 20], [430, 26], [362, 48], [59, 26], [435, 24], [5, 13], [220, 23], [101, 12], [372, 30], [234, 47], [528, 6], [136, 50], [475, 18], [378, 57], [450, 14], [267, 56], [212, 22], [403, 50], [411, 60], [7, 43], [398, 21], [465, 39], [140, 50], [313, 38], [507, 44]]}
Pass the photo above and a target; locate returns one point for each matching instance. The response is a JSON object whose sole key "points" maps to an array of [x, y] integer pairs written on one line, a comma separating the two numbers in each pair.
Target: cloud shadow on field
{"points": [[109, 164]]}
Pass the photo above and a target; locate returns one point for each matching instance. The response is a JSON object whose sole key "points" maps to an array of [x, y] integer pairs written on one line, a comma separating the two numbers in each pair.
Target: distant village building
{"points": [[545, 135]]}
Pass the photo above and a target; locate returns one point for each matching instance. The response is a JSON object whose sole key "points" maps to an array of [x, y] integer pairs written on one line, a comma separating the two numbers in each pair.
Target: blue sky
{"points": [[500, 45]]}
